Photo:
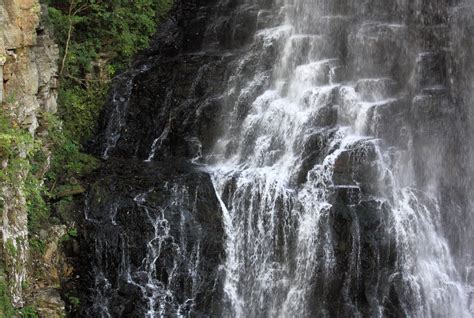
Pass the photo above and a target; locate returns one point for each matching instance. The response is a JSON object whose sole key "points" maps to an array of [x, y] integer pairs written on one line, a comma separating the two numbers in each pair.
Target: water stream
{"points": [[278, 188], [336, 182]]}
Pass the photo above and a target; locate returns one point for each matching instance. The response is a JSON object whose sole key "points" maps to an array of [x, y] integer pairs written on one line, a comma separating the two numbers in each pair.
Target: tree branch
{"points": [[72, 5]]}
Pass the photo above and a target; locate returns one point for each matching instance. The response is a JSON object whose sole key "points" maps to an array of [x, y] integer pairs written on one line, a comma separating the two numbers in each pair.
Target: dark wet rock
{"points": [[327, 116], [379, 43], [358, 166], [429, 108], [314, 148], [171, 81], [239, 28], [374, 89], [360, 234], [167, 109], [430, 69], [388, 120], [211, 60], [134, 208]]}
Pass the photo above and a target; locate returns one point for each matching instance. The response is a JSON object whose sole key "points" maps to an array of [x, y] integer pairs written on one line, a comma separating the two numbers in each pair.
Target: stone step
{"points": [[356, 166], [333, 25], [315, 73], [430, 37], [335, 29], [337, 74], [300, 40], [305, 48], [287, 11], [375, 89], [312, 147], [385, 119], [431, 107], [320, 96], [307, 45], [273, 36], [436, 90], [429, 12], [267, 19], [376, 49], [333, 7], [347, 194], [430, 69]]}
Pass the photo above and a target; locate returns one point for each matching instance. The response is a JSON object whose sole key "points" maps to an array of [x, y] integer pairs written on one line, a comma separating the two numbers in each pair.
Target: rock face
{"points": [[151, 204], [28, 67], [326, 139], [49, 303], [154, 242], [28, 59]]}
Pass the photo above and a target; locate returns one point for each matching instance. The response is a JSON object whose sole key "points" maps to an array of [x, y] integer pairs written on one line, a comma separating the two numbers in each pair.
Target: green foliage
{"points": [[68, 161], [28, 312], [6, 308], [97, 39], [71, 234], [109, 30], [38, 209], [25, 285], [37, 245], [73, 300], [20, 153], [16, 146], [80, 107], [11, 249]]}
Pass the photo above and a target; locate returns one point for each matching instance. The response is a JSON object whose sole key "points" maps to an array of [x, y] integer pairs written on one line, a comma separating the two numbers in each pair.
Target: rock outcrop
{"points": [[154, 242], [28, 62], [28, 87]]}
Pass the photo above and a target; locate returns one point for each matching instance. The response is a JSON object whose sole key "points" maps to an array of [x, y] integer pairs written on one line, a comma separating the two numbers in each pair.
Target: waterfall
{"points": [[289, 158], [278, 173]]}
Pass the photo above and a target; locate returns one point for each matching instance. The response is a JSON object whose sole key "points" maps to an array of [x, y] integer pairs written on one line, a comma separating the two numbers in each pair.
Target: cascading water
{"points": [[290, 159], [278, 177], [120, 100]]}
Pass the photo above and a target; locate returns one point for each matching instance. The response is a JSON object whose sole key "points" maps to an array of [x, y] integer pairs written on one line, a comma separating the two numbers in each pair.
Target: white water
{"points": [[120, 102], [160, 299], [322, 206], [280, 247]]}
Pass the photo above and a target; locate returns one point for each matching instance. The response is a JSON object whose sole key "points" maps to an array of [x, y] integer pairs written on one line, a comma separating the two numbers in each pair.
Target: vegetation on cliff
{"points": [[97, 40]]}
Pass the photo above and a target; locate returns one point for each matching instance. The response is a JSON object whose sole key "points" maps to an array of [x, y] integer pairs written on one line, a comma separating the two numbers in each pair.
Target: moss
{"points": [[11, 249], [6, 308]]}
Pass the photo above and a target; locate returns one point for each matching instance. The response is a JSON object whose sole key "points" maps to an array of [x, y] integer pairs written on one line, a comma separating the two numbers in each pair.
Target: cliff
{"points": [[28, 73]]}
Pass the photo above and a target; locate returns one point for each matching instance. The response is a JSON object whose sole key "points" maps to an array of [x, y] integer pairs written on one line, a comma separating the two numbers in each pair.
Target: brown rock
{"points": [[49, 303]]}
